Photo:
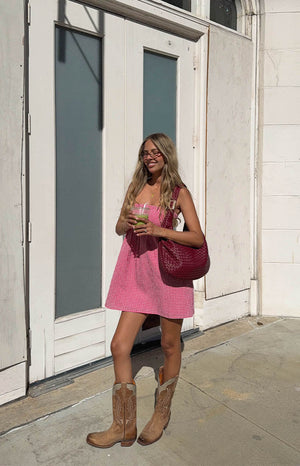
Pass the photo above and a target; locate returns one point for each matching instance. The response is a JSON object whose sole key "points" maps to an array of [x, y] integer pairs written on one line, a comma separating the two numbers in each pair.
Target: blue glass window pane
{"points": [[78, 172], [160, 83]]}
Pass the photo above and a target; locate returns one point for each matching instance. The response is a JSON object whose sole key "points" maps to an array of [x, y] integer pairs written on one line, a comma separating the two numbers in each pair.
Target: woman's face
{"points": [[153, 158]]}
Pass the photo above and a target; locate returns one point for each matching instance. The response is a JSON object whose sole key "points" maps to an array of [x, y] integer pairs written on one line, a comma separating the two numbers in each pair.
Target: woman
{"points": [[138, 288]]}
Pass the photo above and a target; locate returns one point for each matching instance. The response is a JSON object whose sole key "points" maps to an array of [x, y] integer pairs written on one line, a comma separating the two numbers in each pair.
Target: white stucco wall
{"points": [[12, 308], [280, 157]]}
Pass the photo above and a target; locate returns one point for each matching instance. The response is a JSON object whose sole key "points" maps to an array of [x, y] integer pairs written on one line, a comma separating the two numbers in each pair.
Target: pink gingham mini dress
{"points": [[138, 285]]}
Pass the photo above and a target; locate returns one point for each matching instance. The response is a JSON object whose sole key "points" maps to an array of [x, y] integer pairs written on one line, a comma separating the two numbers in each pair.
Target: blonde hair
{"points": [[170, 175]]}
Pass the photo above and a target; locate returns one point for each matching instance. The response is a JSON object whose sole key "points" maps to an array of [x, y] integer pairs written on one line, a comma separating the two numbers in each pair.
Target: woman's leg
{"points": [[167, 380], [122, 343], [123, 428], [171, 346]]}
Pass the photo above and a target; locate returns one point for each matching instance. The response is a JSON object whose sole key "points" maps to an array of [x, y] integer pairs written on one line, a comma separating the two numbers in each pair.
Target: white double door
{"points": [[82, 157]]}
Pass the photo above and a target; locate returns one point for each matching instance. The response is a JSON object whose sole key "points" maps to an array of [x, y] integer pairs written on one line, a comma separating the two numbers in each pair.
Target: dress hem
{"points": [[177, 316]]}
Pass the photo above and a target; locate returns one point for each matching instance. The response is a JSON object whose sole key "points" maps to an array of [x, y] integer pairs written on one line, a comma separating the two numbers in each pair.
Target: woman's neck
{"points": [[155, 180]]}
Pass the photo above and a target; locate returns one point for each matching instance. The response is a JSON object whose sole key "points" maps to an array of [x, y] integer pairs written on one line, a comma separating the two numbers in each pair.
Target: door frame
{"points": [[43, 326], [50, 337]]}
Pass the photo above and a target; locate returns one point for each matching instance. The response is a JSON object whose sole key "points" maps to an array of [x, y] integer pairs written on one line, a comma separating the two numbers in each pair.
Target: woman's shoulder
{"points": [[183, 192], [184, 196], [178, 188]]}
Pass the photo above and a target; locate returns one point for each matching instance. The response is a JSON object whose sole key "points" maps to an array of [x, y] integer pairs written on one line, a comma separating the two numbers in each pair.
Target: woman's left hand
{"points": [[147, 228]]}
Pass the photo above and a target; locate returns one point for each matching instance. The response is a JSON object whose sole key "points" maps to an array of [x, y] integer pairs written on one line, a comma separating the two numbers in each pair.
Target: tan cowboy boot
{"points": [[162, 412], [123, 428]]}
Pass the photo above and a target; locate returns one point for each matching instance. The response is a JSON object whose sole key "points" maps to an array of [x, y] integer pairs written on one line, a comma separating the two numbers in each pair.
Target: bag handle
{"points": [[174, 197], [168, 219]]}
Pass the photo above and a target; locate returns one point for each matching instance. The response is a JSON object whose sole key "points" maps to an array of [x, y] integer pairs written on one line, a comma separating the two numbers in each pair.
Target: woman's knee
{"points": [[170, 346], [119, 348]]}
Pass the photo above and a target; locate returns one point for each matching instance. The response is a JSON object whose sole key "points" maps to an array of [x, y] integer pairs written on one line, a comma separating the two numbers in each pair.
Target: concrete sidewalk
{"points": [[237, 403]]}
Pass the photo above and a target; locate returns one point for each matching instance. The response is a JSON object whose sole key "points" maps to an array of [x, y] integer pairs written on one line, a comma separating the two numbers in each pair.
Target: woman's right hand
{"points": [[124, 224], [129, 221]]}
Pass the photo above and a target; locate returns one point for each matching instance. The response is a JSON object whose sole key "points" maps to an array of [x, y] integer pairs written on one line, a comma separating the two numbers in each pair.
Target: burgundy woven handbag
{"points": [[176, 259]]}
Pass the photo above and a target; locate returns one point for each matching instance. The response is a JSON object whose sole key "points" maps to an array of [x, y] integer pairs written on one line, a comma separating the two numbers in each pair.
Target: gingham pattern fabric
{"points": [[138, 285]]}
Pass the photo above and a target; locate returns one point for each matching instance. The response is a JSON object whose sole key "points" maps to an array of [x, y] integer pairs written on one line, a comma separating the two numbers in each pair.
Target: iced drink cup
{"points": [[141, 213]]}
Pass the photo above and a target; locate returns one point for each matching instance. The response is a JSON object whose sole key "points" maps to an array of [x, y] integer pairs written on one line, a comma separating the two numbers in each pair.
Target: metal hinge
{"points": [[29, 232], [28, 14], [29, 123]]}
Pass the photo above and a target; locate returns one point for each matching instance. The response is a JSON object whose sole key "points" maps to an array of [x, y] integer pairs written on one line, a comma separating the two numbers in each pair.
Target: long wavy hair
{"points": [[170, 176]]}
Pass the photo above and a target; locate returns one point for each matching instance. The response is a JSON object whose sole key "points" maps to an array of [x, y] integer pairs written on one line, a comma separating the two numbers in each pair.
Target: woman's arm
{"points": [[194, 237], [124, 222]]}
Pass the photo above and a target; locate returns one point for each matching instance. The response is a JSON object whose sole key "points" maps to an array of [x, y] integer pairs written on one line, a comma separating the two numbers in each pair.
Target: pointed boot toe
{"points": [[91, 439]]}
